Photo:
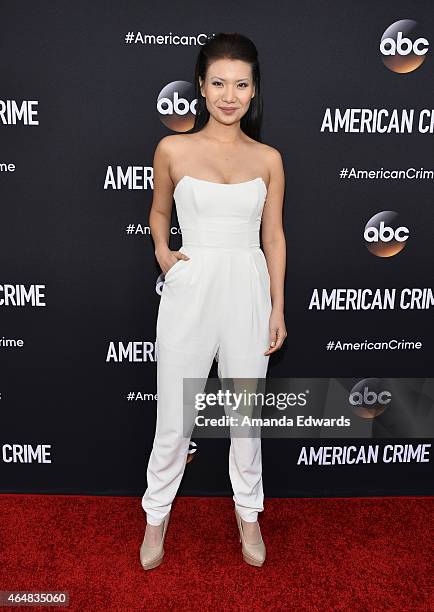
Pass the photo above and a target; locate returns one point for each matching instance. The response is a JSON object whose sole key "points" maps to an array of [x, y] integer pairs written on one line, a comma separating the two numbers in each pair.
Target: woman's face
{"points": [[228, 85]]}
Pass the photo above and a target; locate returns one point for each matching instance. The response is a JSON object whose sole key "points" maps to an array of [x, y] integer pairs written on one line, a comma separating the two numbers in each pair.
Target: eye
{"points": [[243, 85]]}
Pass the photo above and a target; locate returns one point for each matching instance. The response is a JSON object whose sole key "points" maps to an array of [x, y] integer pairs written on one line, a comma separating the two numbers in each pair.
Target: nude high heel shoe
{"points": [[253, 554], [152, 556]]}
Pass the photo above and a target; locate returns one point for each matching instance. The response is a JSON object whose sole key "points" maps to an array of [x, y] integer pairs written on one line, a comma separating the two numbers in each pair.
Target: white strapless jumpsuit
{"points": [[216, 304]]}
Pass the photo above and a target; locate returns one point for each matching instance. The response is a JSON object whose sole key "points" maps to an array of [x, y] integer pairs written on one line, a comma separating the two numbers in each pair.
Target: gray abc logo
{"points": [[368, 398]]}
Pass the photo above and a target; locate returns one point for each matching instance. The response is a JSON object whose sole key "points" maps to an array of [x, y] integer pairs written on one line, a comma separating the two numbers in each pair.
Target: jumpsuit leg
{"points": [[186, 344], [245, 452], [173, 428], [244, 339]]}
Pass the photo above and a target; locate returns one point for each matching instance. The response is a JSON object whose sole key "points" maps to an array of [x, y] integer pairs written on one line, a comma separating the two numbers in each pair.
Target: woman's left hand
{"points": [[277, 331]]}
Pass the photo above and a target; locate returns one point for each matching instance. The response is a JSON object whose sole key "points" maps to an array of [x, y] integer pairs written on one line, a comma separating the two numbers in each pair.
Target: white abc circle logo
{"points": [[403, 45], [176, 106], [385, 233], [383, 236]]}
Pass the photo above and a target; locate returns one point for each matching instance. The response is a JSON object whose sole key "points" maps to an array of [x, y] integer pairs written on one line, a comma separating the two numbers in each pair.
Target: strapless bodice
{"points": [[220, 214]]}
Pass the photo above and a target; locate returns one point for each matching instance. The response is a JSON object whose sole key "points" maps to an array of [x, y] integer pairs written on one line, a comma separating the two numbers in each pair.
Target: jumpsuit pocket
{"points": [[263, 278], [177, 265], [260, 263], [180, 271], [171, 269]]}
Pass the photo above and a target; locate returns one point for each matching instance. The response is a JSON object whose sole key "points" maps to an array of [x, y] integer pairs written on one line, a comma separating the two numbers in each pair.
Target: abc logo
{"points": [[402, 49], [383, 236], [368, 399], [176, 106], [191, 451]]}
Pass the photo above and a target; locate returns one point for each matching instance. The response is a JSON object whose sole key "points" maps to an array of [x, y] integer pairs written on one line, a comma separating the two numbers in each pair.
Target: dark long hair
{"points": [[236, 47]]}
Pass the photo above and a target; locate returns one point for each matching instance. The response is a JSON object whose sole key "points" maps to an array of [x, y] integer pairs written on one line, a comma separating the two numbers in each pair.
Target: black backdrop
{"points": [[95, 98]]}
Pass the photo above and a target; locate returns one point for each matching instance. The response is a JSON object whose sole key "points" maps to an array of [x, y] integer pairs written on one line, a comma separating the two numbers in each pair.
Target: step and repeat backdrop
{"points": [[87, 91]]}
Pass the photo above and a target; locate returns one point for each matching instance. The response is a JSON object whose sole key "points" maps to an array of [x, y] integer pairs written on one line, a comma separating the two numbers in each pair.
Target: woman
{"points": [[222, 298]]}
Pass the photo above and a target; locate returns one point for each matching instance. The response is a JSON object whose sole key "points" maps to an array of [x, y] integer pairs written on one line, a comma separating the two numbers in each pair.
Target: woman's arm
{"points": [[274, 244], [162, 202]]}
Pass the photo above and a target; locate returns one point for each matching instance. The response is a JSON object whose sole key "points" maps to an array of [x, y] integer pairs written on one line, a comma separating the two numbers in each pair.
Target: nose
{"points": [[228, 94]]}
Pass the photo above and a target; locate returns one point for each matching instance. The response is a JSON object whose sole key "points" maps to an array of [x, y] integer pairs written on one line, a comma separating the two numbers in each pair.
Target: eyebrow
{"points": [[221, 79]]}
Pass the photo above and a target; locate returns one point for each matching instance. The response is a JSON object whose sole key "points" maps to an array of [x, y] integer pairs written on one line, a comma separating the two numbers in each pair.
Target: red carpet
{"points": [[322, 554]]}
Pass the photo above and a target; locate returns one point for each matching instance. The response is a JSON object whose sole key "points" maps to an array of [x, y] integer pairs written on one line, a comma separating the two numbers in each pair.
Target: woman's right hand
{"points": [[167, 258]]}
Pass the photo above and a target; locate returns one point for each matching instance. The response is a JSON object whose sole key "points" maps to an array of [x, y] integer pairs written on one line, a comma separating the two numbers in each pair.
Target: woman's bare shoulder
{"points": [[174, 142], [268, 150], [172, 148], [270, 157]]}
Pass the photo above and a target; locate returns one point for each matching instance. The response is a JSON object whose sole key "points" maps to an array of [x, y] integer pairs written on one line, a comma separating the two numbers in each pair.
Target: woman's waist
{"points": [[221, 237]]}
